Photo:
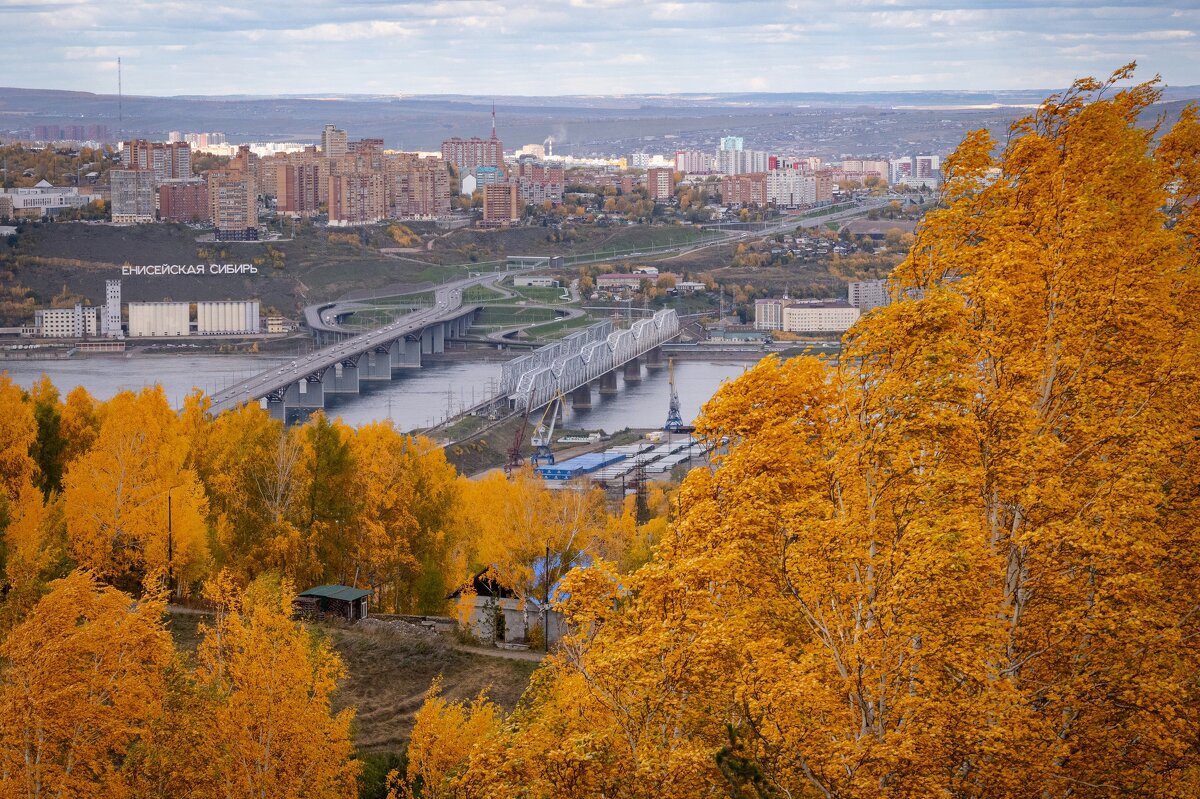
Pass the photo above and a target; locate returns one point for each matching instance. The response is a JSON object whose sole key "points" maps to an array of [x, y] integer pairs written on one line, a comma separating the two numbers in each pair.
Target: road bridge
{"points": [[352, 361]]}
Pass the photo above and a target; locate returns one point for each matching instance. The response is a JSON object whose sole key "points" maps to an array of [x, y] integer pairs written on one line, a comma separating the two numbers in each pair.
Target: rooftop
{"points": [[343, 592]]}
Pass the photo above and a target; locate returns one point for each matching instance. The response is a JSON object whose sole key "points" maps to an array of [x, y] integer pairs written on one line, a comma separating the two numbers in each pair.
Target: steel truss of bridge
{"points": [[588, 357]]}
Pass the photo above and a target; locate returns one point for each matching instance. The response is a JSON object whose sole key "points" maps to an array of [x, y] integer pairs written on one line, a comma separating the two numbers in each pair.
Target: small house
{"points": [[339, 601], [497, 615]]}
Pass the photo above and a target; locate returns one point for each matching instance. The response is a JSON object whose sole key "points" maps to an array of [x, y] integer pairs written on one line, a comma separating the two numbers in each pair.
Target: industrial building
{"points": [[74, 322], [110, 316], [227, 317], [159, 319]]}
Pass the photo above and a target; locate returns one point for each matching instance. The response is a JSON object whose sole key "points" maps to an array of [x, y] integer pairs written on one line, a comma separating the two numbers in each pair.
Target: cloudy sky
{"points": [[587, 46]]}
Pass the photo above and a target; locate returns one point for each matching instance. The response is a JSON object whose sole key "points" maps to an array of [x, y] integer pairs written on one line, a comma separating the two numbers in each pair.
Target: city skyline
{"points": [[589, 46]]}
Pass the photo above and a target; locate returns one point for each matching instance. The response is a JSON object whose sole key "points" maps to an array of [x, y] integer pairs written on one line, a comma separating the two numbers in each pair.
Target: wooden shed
{"points": [[332, 600]]}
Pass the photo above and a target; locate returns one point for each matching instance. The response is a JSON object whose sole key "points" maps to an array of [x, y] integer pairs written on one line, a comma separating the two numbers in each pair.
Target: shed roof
{"points": [[342, 592]]}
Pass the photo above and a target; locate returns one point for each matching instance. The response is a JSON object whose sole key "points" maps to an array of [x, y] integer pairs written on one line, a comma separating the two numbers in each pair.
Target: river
{"points": [[415, 398]]}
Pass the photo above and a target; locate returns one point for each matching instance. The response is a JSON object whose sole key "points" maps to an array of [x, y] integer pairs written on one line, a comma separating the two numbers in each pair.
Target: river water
{"points": [[415, 398]]}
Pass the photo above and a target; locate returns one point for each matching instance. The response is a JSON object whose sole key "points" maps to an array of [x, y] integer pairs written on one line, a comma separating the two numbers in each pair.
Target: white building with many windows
{"points": [[819, 316], [867, 294], [76, 322], [43, 200]]}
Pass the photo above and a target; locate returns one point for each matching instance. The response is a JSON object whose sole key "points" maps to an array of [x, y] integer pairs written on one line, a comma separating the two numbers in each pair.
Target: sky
{"points": [[534, 47]]}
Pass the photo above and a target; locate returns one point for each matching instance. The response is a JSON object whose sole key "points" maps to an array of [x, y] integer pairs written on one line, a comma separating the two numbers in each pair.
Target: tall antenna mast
{"points": [[120, 95], [493, 119]]}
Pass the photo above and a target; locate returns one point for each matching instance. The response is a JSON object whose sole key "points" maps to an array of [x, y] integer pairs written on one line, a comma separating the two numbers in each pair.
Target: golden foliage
{"points": [[962, 563], [81, 681], [119, 494]]}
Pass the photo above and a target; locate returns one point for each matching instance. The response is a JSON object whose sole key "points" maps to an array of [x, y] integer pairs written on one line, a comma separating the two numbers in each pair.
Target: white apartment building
{"points": [[693, 162], [804, 316], [867, 294], [916, 171], [742, 162], [132, 195], [789, 188]]}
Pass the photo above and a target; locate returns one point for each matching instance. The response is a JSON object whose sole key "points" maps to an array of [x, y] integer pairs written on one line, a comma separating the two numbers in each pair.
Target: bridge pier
{"points": [[307, 393], [582, 396], [342, 378], [654, 359], [633, 370], [427, 341], [405, 353], [608, 383], [439, 338], [276, 409], [375, 364]]}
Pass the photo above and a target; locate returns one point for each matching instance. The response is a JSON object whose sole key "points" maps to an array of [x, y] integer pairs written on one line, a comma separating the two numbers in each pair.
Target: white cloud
{"points": [[340, 32]]}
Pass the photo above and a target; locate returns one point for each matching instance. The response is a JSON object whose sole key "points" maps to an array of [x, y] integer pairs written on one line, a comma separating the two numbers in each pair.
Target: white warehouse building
{"points": [[227, 317], [159, 319]]}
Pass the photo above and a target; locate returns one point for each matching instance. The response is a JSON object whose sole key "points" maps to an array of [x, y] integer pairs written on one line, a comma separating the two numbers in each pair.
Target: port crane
{"points": [[674, 419], [543, 434]]}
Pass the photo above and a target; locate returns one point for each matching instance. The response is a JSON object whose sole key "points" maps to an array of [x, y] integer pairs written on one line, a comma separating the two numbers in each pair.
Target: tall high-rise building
{"points": [[131, 195], [732, 143], [232, 205], [693, 162], [357, 197], [334, 142], [660, 183], [418, 187], [867, 294], [298, 188], [183, 201], [467, 154], [501, 204], [168, 161], [538, 183]]}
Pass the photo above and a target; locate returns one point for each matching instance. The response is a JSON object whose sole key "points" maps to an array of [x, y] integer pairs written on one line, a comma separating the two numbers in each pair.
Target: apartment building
{"points": [[501, 204], [744, 190], [232, 204], [132, 195], [660, 183]]}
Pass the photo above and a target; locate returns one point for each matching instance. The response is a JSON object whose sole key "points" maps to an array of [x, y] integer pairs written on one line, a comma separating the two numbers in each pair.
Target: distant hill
{"points": [[579, 124]]}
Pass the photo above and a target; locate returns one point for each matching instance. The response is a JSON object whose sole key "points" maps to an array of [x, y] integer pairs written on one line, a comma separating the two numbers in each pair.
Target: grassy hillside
{"points": [[388, 675]]}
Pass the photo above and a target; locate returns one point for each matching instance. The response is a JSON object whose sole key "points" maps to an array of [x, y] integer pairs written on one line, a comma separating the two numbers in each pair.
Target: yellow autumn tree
{"points": [[132, 507], [18, 432], [961, 563], [251, 470], [81, 680], [267, 719], [444, 737], [517, 521]]}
